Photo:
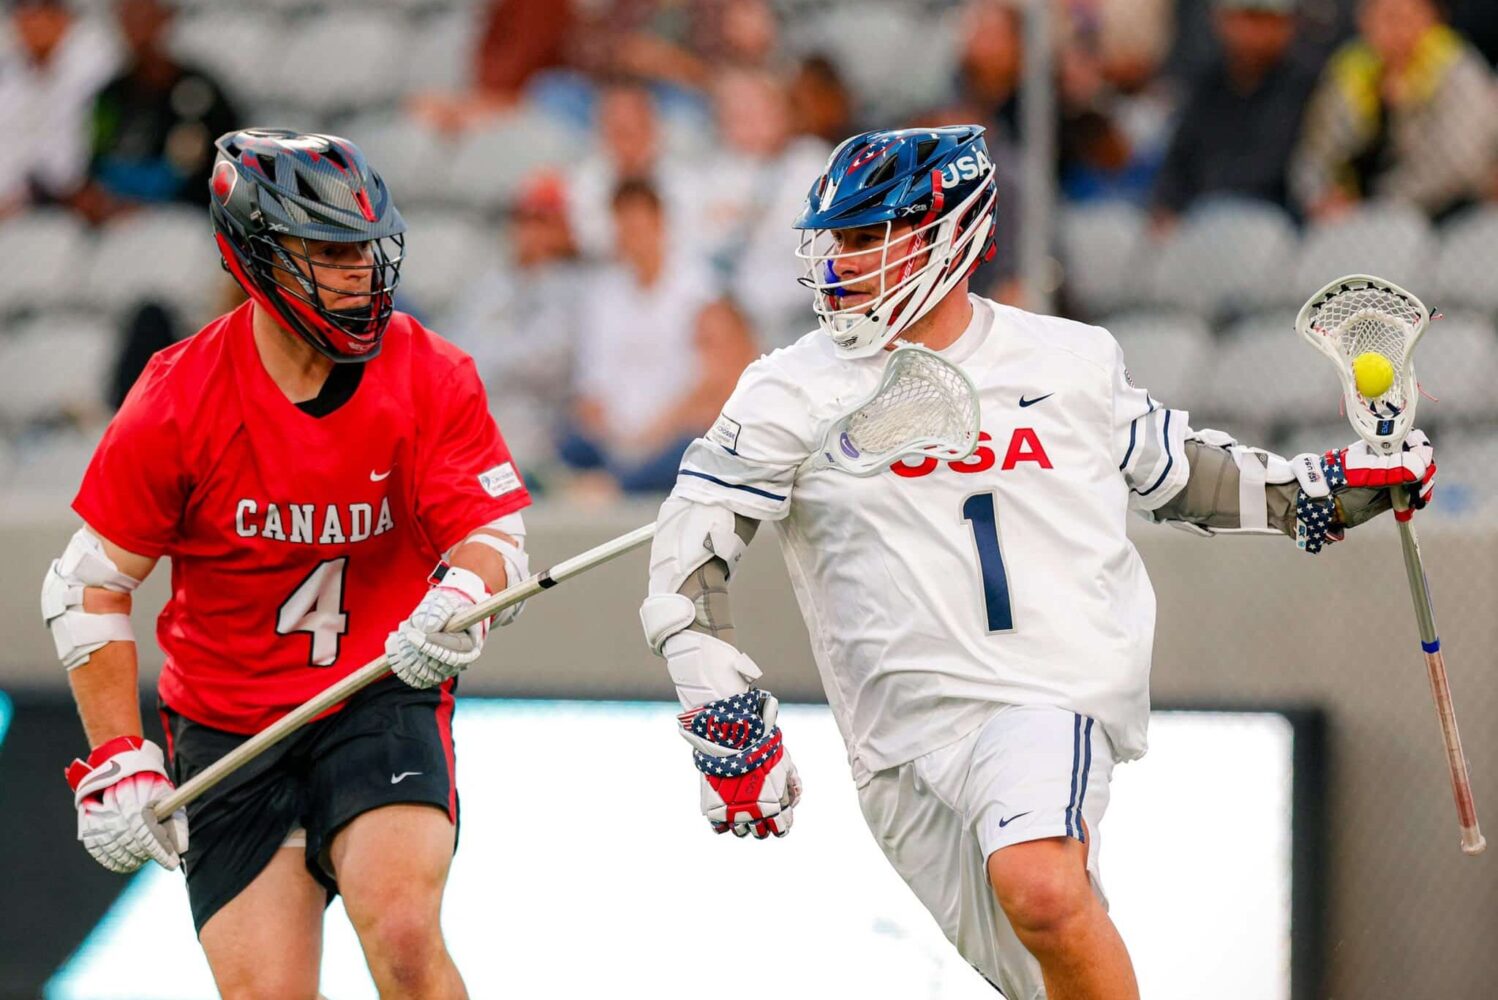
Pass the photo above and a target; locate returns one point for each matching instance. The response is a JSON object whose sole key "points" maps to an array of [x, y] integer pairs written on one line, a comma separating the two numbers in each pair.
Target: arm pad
{"points": [[1234, 489], [686, 618]]}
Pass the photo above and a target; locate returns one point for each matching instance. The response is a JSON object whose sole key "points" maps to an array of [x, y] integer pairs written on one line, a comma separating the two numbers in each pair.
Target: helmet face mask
{"points": [[309, 282], [932, 194], [277, 195]]}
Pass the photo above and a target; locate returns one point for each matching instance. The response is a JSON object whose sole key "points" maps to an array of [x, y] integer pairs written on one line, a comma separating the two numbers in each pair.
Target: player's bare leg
{"points": [[1045, 892], [266, 943], [392, 865]]}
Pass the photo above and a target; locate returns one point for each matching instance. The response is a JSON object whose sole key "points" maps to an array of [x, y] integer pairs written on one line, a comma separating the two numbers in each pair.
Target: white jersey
{"points": [[936, 591]]}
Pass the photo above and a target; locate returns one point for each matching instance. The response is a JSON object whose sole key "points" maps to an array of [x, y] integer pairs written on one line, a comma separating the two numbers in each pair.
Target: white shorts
{"points": [[1029, 773]]}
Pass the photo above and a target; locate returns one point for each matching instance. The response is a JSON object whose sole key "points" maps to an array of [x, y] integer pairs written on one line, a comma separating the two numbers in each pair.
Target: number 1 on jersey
{"points": [[979, 509], [316, 606]]}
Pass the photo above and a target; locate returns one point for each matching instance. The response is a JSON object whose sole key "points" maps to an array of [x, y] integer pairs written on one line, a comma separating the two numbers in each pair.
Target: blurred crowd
{"points": [[628, 275]]}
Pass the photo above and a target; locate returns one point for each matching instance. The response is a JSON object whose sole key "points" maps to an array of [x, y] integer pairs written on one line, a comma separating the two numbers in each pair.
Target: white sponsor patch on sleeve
{"points": [[725, 432], [500, 480]]}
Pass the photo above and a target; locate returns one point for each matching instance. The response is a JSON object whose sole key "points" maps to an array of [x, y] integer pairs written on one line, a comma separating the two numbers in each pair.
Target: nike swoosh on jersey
{"points": [[1005, 821], [377, 477], [1031, 402], [396, 779]]}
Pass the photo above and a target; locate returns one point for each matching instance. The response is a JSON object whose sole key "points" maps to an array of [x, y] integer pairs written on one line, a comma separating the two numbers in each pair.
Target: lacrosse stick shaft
{"points": [[377, 668], [1440, 688]]}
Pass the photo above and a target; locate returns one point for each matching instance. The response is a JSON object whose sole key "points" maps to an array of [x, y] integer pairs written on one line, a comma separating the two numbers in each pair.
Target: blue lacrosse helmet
{"points": [[934, 193]]}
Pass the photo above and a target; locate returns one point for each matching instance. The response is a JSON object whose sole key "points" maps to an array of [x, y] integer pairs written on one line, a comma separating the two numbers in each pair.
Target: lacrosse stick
{"points": [[923, 405], [1348, 318], [377, 668]]}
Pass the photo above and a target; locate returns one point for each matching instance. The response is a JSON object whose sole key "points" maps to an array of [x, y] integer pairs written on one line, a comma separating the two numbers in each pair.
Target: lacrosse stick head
{"points": [[1358, 315], [923, 405]]}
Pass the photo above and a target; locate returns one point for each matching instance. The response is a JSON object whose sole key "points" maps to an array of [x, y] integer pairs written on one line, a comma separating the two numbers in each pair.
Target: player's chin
{"points": [[352, 307]]}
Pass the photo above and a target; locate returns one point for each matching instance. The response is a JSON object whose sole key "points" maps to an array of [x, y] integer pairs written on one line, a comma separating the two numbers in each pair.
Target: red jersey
{"points": [[297, 542]]}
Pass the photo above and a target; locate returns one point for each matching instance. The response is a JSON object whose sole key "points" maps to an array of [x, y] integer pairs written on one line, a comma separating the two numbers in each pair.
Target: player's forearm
{"points": [[104, 688]]}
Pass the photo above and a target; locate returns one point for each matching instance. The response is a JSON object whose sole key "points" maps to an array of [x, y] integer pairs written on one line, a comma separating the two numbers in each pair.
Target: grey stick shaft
{"points": [[1472, 839], [1414, 569], [377, 668]]}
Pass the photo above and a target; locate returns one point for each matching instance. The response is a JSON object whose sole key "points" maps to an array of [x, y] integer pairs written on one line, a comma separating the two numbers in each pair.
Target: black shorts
{"points": [[391, 743]]}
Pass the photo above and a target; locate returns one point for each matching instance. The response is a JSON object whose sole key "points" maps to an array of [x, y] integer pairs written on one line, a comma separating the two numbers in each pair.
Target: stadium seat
{"points": [[1227, 258], [166, 254], [46, 472], [332, 63], [55, 364], [246, 66], [46, 255], [1101, 248], [865, 39], [440, 55], [1464, 480], [1316, 436], [490, 164], [1264, 373], [1457, 364], [1391, 241], [1465, 267], [414, 159], [444, 253], [1167, 353]]}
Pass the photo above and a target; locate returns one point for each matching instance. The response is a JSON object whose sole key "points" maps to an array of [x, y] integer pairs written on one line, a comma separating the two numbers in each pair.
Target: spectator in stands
{"points": [[745, 195], [1407, 111], [517, 40], [676, 46], [153, 125], [986, 87], [654, 362], [1115, 110], [519, 322], [45, 92], [1242, 117], [821, 105], [630, 141]]}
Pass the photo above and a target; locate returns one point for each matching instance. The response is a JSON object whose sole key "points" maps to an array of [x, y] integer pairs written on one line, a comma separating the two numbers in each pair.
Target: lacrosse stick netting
{"points": [[923, 405], [1358, 315]]}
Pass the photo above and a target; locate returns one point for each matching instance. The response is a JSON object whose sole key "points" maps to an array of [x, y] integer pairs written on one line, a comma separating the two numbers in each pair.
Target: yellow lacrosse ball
{"points": [[1373, 373]]}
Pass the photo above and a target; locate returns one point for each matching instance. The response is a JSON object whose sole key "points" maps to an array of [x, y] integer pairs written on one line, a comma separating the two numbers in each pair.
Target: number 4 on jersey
{"points": [[316, 606], [979, 509]]}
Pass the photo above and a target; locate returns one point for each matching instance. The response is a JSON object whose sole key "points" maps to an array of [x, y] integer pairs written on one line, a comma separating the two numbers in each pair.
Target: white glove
{"points": [[114, 790], [423, 655], [749, 784]]}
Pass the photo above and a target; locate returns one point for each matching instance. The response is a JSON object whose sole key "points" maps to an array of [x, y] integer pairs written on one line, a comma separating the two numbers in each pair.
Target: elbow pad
{"points": [[688, 536], [692, 537], [78, 633]]}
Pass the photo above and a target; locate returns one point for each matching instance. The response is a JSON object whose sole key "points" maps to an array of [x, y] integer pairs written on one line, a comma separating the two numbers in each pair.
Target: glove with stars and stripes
{"points": [[749, 784], [1354, 488]]}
